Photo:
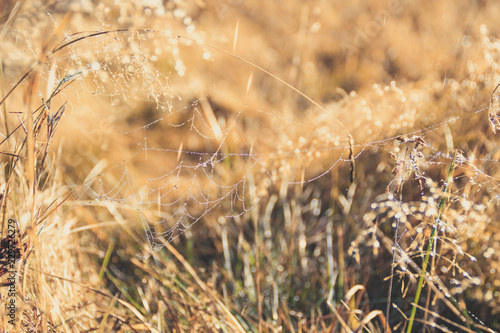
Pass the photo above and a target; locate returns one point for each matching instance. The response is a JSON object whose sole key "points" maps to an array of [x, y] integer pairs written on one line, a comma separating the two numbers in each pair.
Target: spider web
{"points": [[184, 158], [173, 133], [199, 149]]}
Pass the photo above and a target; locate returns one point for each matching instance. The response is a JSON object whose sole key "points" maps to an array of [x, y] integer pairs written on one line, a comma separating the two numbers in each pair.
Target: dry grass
{"points": [[238, 166]]}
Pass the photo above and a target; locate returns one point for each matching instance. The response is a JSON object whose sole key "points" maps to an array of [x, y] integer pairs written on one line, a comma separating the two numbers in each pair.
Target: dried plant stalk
{"points": [[493, 112]]}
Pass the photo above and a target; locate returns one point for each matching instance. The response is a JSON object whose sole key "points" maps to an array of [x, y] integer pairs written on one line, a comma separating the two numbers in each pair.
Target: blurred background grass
{"points": [[269, 255]]}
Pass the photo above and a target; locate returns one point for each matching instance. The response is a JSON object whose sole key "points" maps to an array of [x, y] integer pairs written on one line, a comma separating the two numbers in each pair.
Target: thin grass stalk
{"points": [[106, 260], [340, 283], [430, 245], [396, 235]]}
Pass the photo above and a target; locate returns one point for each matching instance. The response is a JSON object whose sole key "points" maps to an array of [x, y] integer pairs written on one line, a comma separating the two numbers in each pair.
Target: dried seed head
{"points": [[494, 109], [417, 140], [402, 139]]}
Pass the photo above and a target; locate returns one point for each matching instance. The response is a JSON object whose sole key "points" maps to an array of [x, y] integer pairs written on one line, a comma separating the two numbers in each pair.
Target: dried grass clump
{"points": [[182, 167]]}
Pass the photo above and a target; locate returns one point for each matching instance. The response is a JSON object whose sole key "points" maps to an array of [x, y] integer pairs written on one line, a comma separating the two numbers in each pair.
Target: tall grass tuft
{"points": [[201, 166]]}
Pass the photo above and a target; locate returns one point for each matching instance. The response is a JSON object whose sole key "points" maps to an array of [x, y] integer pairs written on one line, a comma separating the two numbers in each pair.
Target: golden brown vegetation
{"points": [[250, 166]]}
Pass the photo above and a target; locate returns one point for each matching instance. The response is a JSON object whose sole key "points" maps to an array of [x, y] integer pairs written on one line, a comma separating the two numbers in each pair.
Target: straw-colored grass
{"points": [[249, 166]]}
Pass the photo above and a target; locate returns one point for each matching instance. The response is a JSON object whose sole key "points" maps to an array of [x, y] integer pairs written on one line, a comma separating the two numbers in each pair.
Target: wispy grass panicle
{"points": [[203, 166]]}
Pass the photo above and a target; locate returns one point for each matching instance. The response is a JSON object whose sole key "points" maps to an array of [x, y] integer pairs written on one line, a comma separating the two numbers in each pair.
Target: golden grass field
{"points": [[250, 166]]}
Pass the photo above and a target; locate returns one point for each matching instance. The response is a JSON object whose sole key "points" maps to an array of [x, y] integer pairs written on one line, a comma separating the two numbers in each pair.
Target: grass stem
{"points": [[430, 245]]}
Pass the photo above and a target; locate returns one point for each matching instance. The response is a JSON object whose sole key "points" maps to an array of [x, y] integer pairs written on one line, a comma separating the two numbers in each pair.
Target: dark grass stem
{"points": [[430, 245], [396, 235]]}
